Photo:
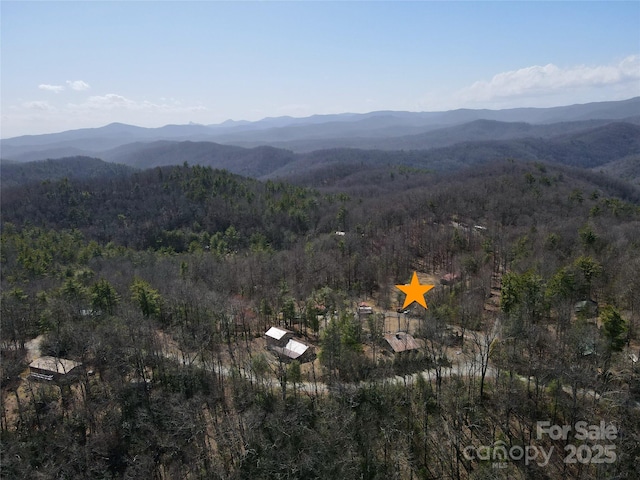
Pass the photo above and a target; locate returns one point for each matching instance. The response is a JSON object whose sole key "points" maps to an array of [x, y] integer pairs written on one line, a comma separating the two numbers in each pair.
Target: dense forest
{"points": [[163, 282]]}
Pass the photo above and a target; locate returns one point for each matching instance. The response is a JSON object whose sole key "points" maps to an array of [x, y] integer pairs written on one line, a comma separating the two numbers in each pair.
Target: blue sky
{"points": [[86, 64]]}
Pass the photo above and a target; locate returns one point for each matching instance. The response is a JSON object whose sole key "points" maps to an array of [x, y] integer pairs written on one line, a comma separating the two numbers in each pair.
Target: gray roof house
{"points": [[53, 368]]}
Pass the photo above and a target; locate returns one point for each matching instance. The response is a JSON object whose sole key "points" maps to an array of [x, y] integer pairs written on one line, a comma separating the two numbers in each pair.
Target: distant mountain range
{"points": [[590, 136]]}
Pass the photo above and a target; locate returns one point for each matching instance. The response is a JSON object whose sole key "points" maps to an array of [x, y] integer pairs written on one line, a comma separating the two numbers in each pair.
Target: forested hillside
{"points": [[162, 283], [588, 136], [615, 144], [253, 162], [13, 173], [173, 207], [627, 168], [585, 147]]}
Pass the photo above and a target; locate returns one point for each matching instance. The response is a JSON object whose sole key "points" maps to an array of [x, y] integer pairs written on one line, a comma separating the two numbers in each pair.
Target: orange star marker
{"points": [[415, 291]]}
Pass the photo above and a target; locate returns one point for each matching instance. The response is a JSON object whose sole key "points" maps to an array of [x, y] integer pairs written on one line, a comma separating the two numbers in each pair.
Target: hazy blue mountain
{"points": [[253, 162], [42, 153], [582, 144], [586, 147], [372, 130], [595, 147], [477, 130], [318, 131]]}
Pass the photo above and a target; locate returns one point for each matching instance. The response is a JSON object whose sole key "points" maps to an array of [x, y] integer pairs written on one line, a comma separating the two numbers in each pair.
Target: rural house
{"points": [[278, 337], [281, 342], [53, 368], [364, 309], [400, 342], [296, 350]]}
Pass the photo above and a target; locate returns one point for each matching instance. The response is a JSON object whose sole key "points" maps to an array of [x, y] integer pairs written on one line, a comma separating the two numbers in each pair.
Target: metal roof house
{"points": [[278, 337], [296, 350], [53, 368], [281, 342], [400, 342]]}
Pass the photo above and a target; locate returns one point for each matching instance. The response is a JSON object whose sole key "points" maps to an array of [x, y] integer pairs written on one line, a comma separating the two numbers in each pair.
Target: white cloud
{"points": [[38, 105], [108, 101], [78, 85], [51, 88], [550, 79], [112, 101]]}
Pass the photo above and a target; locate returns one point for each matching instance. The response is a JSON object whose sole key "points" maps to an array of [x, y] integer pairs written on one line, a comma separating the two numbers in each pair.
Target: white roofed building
{"points": [[281, 342], [278, 337]]}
